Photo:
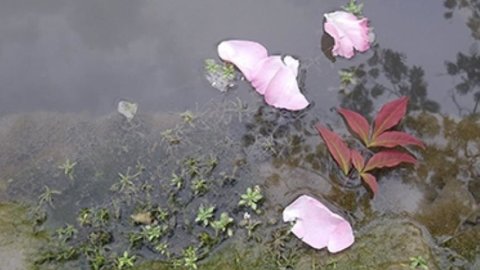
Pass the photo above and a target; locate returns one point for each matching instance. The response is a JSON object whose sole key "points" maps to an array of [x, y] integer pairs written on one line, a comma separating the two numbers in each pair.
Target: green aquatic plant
{"points": [[135, 239], [212, 162], [249, 224], [171, 136], [220, 76], [251, 198], [204, 215], [189, 257], [222, 225], [192, 166], [238, 107], [68, 168], [60, 252], [96, 259], [211, 66], [176, 181], [100, 237], [47, 196], [418, 262], [354, 8], [162, 248], [206, 240], [152, 233], [125, 261], [227, 70], [347, 78], [161, 214], [85, 217], [66, 254], [188, 117], [199, 186], [268, 144], [66, 233], [126, 184], [102, 216]]}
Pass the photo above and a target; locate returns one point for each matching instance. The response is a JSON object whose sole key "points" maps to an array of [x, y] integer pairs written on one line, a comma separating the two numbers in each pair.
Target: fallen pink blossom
{"points": [[317, 226], [272, 76], [348, 33], [244, 54]]}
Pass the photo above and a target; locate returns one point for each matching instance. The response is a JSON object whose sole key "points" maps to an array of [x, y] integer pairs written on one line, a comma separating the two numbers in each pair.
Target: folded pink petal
{"points": [[274, 77], [245, 55], [283, 92], [317, 226], [268, 67], [348, 32]]}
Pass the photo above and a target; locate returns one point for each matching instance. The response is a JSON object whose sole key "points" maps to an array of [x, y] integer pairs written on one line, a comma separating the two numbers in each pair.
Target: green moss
{"points": [[466, 243], [383, 244], [18, 241], [425, 123]]}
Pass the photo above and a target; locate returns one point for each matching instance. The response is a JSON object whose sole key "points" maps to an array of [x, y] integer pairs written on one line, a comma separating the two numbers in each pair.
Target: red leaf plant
{"points": [[388, 117], [378, 136]]}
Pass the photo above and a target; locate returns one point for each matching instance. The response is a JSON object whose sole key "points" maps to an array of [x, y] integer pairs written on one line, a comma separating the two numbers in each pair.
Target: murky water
{"points": [[64, 65]]}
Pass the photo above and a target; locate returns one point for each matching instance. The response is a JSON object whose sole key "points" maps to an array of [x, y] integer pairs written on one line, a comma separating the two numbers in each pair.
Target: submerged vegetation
{"points": [[148, 209], [204, 189], [174, 209]]}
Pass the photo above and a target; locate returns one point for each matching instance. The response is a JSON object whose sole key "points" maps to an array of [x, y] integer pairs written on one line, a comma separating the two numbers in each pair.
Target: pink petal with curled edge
{"points": [[317, 226], [245, 55], [343, 237], [268, 67], [282, 91], [348, 32]]}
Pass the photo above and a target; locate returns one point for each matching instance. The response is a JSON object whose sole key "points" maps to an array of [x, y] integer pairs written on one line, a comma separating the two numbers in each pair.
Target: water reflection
{"points": [[466, 70], [468, 8], [386, 74], [86, 55]]}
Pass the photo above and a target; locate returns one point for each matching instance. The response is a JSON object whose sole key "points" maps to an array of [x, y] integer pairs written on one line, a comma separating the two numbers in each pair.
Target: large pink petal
{"points": [[245, 55], [283, 92], [316, 225], [348, 32], [343, 237], [268, 67]]}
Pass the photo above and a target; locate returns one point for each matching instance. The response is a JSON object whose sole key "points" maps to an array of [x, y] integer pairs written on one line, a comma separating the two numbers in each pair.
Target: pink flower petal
{"points": [[348, 32], [268, 67], [283, 92], [274, 77], [343, 238], [245, 55], [317, 226]]}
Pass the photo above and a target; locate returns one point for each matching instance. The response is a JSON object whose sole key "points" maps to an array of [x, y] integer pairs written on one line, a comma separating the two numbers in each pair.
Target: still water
{"points": [[65, 65]]}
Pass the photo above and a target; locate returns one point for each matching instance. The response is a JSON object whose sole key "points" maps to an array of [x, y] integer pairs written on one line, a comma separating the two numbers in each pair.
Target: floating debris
{"points": [[220, 76], [143, 218], [127, 109]]}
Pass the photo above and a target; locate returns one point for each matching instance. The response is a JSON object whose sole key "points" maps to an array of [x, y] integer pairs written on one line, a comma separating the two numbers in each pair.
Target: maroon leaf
{"points": [[395, 138], [357, 160], [371, 182], [388, 158], [390, 115], [337, 147], [357, 123]]}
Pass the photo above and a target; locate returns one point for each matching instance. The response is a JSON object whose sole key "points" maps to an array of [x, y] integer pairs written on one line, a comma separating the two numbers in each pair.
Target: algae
{"points": [[19, 242]]}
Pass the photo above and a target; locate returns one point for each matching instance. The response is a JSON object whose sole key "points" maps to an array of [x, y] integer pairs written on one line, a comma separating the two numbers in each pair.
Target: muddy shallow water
{"points": [[64, 65]]}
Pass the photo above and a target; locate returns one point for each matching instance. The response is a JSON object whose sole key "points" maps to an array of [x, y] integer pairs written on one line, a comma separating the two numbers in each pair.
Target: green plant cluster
{"points": [[149, 204]]}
